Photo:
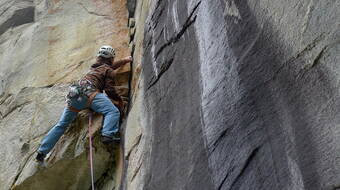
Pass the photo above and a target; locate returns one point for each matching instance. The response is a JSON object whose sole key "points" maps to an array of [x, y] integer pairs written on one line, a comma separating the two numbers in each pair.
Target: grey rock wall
{"points": [[225, 94], [15, 13], [237, 95]]}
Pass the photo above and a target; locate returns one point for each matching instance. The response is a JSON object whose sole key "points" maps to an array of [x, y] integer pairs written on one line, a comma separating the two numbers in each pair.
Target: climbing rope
{"points": [[91, 155]]}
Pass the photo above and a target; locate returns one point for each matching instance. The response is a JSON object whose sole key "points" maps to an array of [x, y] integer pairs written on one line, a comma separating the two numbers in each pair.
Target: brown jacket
{"points": [[102, 76]]}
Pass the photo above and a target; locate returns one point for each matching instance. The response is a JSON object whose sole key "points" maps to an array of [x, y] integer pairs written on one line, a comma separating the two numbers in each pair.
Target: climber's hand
{"points": [[129, 58]]}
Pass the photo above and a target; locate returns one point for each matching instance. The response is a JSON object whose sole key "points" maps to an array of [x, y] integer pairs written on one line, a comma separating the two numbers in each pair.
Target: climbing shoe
{"points": [[116, 138], [40, 157], [109, 140]]}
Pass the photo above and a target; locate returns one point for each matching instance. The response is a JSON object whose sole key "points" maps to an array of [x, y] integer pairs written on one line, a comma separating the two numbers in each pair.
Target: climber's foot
{"points": [[109, 140], [40, 157]]}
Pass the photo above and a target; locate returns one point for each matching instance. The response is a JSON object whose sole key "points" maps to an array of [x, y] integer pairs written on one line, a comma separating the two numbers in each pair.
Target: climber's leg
{"points": [[55, 133], [102, 104]]}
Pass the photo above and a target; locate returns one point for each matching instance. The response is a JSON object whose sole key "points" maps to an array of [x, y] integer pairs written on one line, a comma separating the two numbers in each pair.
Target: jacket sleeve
{"points": [[110, 86], [117, 64]]}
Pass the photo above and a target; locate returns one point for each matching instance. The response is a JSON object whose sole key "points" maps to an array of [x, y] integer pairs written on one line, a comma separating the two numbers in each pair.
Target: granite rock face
{"points": [[236, 95]]}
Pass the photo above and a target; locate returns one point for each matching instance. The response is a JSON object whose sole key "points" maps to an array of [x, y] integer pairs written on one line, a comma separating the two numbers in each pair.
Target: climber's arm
{"points": [[119, 63]]}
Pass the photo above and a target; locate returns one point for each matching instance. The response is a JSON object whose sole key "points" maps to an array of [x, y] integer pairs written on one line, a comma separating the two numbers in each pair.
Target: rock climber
{"points": [[88, 92]]}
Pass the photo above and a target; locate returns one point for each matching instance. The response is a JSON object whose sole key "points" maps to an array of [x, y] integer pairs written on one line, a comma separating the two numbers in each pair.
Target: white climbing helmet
{"points": [[106, 51]]}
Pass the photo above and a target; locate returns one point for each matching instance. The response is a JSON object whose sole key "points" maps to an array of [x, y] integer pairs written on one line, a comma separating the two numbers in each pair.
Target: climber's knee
{"points": [[114, 111]]}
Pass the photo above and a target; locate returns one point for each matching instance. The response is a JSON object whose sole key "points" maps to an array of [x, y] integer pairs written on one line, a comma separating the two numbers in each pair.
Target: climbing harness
{"points": [[90, 152], [81, 93]]}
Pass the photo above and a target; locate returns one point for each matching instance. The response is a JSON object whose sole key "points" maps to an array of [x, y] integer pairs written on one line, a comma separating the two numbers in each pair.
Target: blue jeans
{"points": [[101, 104]]}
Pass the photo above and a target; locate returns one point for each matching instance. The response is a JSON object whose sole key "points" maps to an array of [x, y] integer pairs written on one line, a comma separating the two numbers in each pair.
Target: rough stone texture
{"points": [[44, 45], [15, 13], [229, 94], [236, 95]]}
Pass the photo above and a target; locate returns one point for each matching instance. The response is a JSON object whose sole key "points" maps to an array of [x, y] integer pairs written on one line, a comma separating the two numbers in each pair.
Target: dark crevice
{"points": [[302, 73], [21, 168], [318, 57], [163, 69], [136, 171], [130, 86], [160, 35], [16, 107], [157, 6], [158, 16], [4, 98], [307, 49], [224, 179], [155, 16], [186, 25], [48, 86], [222, 135], [134, 146], [245, 166]]}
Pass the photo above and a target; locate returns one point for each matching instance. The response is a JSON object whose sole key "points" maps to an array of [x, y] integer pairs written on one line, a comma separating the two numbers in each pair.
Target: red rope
{"points": [[91, 155]]}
